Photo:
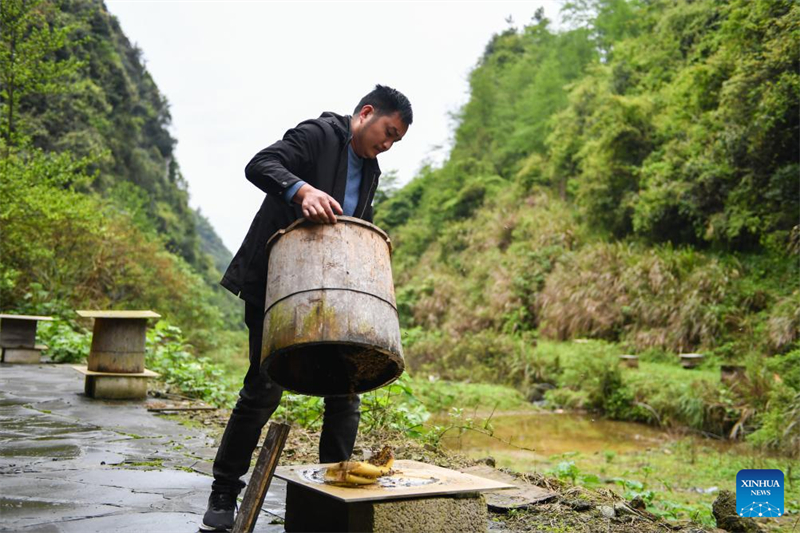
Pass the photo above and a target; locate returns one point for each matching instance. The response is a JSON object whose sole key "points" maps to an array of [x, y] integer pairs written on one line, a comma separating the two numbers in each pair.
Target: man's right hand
{"points": [[317, 205]]}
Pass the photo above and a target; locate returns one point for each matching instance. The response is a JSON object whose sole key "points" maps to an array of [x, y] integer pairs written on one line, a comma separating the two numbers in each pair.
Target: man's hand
{"points": [[317, 205]]}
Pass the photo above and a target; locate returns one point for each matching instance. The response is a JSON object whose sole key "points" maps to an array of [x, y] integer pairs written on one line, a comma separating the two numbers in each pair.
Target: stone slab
{"points": [[411, 479], [27, 317], [117, 314], [521, 496], [144, 374], [73, 464]]}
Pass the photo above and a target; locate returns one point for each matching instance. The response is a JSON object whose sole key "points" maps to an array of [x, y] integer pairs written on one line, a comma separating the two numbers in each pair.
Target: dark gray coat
{"points": [[316, 152]]}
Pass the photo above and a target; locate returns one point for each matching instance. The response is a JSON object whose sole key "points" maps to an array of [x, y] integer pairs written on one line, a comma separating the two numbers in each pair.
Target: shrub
{"points": [[784, 323], [65, 249], [780, 423], [66, 343], [660, 298], [168, 353]]}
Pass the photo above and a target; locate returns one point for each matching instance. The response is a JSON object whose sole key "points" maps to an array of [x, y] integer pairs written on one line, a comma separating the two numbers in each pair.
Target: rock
{"points": [[638, 503], [607, 511], [724, 509], [363, 453], [621, 508], [537, 390], [489, 461], [577, 504]]}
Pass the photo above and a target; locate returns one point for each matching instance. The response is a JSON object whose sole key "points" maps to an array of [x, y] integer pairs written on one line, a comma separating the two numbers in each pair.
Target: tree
{"points": [[28, 62]]}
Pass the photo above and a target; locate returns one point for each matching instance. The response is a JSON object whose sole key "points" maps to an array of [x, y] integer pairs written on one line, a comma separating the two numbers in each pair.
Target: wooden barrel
{"points": [[118, 345], [17, 333], [331, 325]]}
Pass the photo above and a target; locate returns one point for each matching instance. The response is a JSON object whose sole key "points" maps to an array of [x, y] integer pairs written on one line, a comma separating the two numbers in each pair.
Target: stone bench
{"points": [[630, 361], [691, 360], [18, 338], [115, 366]]}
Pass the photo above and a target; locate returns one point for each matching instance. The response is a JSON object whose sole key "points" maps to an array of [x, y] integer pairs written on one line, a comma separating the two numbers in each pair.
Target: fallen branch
{"points": [[162, 409]]}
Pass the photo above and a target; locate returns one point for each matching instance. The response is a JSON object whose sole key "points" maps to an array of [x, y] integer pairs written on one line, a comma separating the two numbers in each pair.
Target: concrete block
{"points": [[116, 387], [22, 355], [455, 513]]}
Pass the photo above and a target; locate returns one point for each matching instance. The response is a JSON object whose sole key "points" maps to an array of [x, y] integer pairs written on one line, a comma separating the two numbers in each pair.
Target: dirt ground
{"points": [[575, 509]]}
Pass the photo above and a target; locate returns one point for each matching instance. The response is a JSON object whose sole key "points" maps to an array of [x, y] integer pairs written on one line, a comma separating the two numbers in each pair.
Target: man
{"points": [[322, 168]]}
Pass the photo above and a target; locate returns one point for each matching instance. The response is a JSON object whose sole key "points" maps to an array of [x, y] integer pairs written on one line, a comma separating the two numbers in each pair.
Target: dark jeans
{"points": [[258, 399]]}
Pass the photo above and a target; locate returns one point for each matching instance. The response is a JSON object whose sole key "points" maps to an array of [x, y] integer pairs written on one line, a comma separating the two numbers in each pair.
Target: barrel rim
{"points": [[303, 221], [397, 358]]}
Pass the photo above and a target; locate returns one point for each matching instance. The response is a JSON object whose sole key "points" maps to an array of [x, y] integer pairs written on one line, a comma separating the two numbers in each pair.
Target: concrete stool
{"points": [[417, 498], [115, 367], [18, 338], [691, 360], [631, 361]]}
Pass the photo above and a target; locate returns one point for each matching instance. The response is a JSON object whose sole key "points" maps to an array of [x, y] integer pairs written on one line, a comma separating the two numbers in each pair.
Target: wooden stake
{"points": [[261, 478]]}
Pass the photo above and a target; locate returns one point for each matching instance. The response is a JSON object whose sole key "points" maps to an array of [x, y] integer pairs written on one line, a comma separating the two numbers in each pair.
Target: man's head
{"points": [[381, 119]]}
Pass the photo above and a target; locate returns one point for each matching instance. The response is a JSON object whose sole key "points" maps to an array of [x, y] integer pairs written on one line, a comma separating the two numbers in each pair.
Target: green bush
{"points": [[64, 249], [787, 366], [168, 353], [393, 408], [66, 343], [780, 423]]}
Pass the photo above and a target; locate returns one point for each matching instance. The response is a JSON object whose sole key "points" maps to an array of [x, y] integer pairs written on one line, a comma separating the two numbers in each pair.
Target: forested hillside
{"points": [[633, 178], [94, 208]]}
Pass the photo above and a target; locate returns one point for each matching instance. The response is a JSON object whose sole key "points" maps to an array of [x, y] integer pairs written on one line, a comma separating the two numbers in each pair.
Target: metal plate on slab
{"points": [[411, 480]]}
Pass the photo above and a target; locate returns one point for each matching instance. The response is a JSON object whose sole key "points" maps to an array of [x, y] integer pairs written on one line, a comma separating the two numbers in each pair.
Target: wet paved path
{"points": [[72, 464]]}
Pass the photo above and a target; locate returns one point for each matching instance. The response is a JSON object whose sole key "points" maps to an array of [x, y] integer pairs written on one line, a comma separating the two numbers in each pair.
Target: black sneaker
{"points": [[219, 515]]}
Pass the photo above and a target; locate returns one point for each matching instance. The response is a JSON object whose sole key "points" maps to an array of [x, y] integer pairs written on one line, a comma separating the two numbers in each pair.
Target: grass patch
{"points": [[152, 464], [440, 395]]}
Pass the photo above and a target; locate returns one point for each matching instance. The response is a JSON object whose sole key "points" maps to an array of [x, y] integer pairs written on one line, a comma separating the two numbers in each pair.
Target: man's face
{"points": [[376, 133]]}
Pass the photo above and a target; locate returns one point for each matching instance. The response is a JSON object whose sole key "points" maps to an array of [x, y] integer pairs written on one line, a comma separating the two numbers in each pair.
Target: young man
{"points": [[322, 168]]}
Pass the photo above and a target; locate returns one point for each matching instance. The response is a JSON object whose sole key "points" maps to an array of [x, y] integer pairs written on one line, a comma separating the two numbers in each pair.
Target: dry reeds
{"points": [[660, 298]]}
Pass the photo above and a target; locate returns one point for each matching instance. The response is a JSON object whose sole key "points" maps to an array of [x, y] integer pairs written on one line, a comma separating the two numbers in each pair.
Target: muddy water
{"points": [[552, 434]]}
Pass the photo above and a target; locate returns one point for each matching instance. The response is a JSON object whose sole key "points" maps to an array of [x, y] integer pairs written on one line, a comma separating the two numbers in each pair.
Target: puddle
{"points": [[42, 511], [39, 449], [9, 507], [553, 434], [36, 424]]}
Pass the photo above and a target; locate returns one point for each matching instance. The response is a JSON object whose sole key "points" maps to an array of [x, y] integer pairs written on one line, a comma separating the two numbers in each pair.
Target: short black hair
{"points": [[387, 101]]}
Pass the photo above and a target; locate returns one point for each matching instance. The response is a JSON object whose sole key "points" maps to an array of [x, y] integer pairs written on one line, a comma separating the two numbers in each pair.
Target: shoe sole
{"points": [[204, 527]]}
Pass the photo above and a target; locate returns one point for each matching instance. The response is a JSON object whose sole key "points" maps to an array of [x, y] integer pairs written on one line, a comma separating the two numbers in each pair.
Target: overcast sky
{"points": [[239, 74]]}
